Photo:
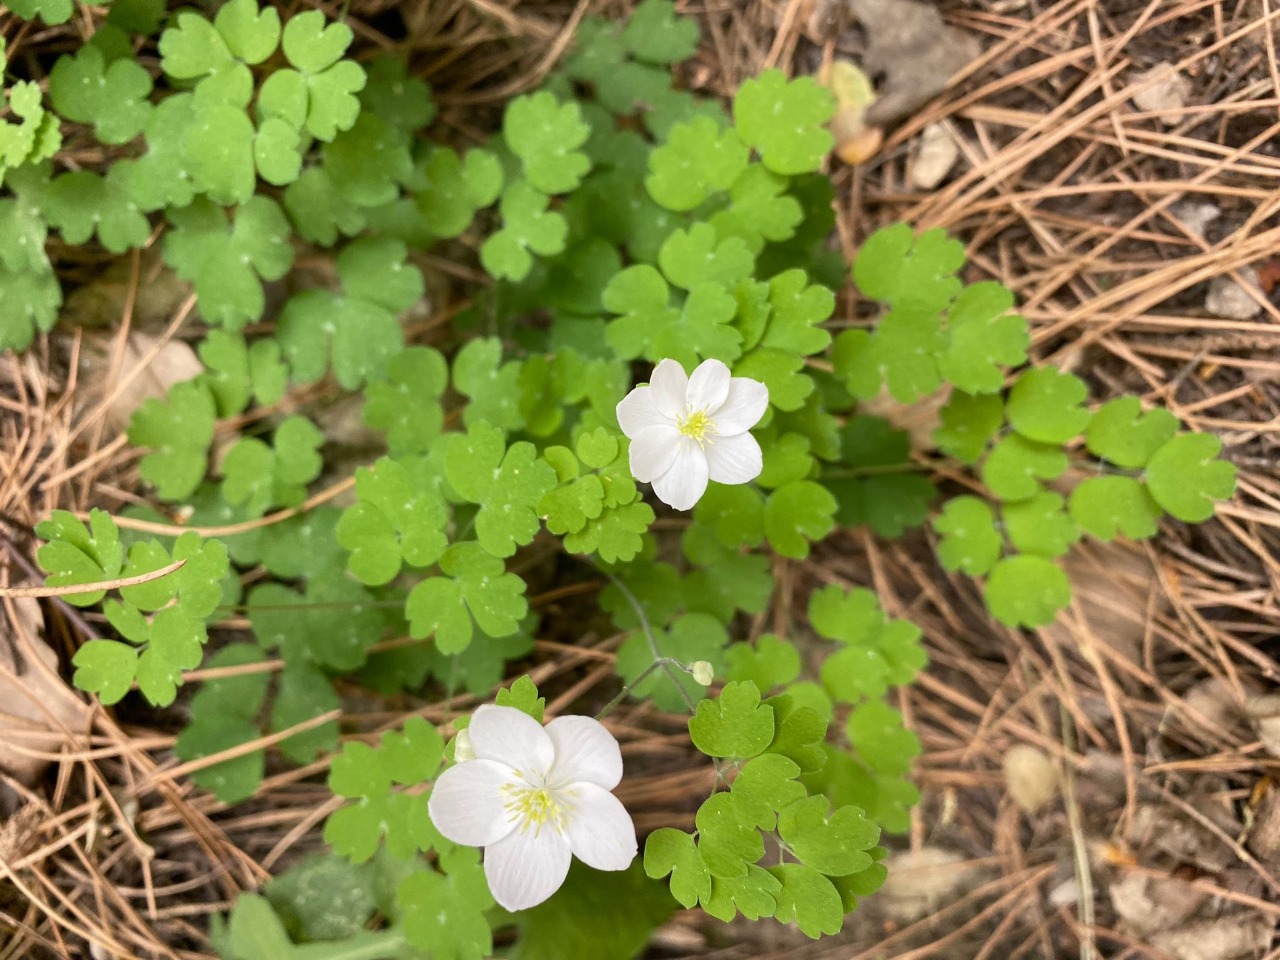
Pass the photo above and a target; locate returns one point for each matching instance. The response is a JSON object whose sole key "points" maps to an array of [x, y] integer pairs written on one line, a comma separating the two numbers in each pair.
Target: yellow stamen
{"points": [[533, 807], [697, 426]]}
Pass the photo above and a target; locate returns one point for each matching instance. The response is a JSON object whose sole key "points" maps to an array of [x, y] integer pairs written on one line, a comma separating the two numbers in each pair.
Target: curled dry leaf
{"points": [[37, 708], [1031, 776]]}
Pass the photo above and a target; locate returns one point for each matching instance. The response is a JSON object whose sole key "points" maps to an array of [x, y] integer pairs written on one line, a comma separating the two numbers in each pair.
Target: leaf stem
{"points": [[659, 660]]}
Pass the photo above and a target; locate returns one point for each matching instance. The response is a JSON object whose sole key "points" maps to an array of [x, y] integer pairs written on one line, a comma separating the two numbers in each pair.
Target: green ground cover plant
{"points": [[621, 221]]}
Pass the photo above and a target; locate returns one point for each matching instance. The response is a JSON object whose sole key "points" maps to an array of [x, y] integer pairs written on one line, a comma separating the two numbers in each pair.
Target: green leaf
{"points": [[797, 514], [692, 257], [1107, 507], [476, 586], [1046, 405], [358, 330], [369, 162], [764, 786], [801, 728], [655, 33], [735, 513], [1015, 464], [492, 386], [262, 476], [179, 429], [760, 209], [445, 913], [546, 134], [333, 624], [324, 897], [751, 894], [1027, 591], [969, 421], [305, 693], [197, 585], [983, 339], [877, 732], [52, 12], [105, 667], [785, 121], [406, 406], [1040, 525], [917, 273], [81, 203], [616, 535], [1120, 432], [1185, 477], [735, 724], [456, 188], [175, 643], [523, 695], [808, 898], [507, 483], [329, 84], [728, 843], [223, 716], [769, 663], [398, 519], [225, 262], [698, 160], [77, 554], [797, 309], [527, 225], [833, 843], [674, 852], [970, 541], [113, 98]]}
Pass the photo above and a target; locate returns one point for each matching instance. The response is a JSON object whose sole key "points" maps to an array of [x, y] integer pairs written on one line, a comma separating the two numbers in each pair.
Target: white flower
{"points": [[686, 429], [533, 797]]}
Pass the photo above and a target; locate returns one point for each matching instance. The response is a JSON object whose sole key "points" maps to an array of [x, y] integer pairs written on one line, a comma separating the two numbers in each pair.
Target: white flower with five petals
{"points": [[533, 797], [685, 430]]}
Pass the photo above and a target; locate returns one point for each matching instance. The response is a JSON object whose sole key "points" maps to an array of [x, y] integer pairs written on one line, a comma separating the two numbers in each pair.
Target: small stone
{"points": [[1163, 90], [1228, 299], [1031, 776], [936, 154], [1196, 216]]}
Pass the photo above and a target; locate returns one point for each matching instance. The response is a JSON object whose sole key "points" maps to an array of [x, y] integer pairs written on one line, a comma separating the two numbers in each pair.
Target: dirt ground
{"points": [[1106, 787]]}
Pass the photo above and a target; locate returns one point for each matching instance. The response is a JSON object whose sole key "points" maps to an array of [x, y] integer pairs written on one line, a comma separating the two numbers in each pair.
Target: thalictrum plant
{"points": [[650, 394]]}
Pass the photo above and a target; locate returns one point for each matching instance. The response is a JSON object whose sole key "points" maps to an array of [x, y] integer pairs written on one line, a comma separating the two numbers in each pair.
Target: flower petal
{"points": [[636, 411], [526, 867], [708, 386], [512, 737], [653, 451], [466, 803], [600, 830], [668, 385], [743, 407], [684, 484], [585, 751], [734, 459]]}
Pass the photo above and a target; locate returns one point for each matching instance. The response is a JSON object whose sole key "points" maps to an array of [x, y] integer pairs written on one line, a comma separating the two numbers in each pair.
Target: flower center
{"points": [[534, 807], [697, 426]]}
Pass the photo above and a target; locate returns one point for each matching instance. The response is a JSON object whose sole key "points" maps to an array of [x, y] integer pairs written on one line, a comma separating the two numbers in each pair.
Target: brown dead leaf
{"points": [[917, 53], [1224, 938], [37, 708], [1164, 830], [1163, 90]]}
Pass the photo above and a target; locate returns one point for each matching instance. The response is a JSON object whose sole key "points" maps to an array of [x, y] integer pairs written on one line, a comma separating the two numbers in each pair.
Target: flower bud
{"points": [[703, 672], [462, 747]]}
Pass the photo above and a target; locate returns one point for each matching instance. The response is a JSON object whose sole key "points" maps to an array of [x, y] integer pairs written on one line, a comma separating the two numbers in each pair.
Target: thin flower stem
{"points": [[658, 659], [660, 662]]}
